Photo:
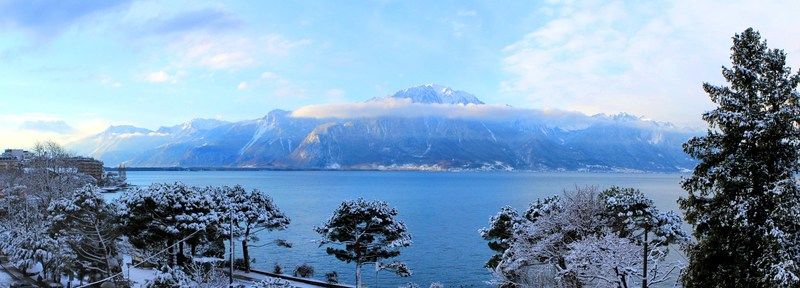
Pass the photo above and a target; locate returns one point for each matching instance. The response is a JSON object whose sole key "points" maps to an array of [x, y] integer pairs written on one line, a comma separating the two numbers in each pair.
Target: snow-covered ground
{"points": [[140, 275], [262, 277], [5, 279]]}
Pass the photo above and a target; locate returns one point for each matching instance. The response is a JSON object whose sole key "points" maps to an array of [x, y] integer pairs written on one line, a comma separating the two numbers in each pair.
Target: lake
{"points": [[442, 210]]}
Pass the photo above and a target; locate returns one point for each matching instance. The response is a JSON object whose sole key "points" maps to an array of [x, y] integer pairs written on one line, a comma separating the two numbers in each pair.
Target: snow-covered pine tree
{"points": [[635, 217], [364, 232], [86, 225], [744, 201], [253, 212], [164, 214], [500, 230]]}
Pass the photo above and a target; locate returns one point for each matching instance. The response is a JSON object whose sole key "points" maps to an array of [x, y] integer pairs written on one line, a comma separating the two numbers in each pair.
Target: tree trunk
{"points": [[358, 275], [181, 257], [245, 251], [644, 263], [245, 255], [171, 260]]}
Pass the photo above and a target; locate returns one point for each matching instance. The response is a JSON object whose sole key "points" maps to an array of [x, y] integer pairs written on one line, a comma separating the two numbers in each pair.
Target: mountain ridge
{"points": [[280, 140]]}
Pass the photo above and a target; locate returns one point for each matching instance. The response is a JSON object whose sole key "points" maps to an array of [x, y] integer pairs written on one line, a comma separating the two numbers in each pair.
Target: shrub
{"points": [[277, 269], [332, 277], [304, 271], [239, 263]]}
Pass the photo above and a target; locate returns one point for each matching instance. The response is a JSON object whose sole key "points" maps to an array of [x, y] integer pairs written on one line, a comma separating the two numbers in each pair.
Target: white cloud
{"points": [[464, 22], [226, 52], [24, 130], [335, 95], [277, 84], [160, 77], [643, 57], [108, 81], [467, 13]]}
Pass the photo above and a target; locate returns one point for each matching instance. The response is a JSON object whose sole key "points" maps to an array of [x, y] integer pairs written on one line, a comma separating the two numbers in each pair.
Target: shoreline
{"points": [[256, 169]]}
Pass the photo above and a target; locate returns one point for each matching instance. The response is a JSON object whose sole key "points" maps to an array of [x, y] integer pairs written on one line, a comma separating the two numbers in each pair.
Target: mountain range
{"points": [[429, 127]]}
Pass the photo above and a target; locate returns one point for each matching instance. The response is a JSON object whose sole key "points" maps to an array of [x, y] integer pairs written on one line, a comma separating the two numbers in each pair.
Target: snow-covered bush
{"points": [[332, 277], [272, 283], [170, 278], [304, 270], [206, 274]]}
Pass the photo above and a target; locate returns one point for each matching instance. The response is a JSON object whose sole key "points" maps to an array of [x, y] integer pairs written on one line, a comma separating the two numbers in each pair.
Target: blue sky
{"points": [[71, 68]]}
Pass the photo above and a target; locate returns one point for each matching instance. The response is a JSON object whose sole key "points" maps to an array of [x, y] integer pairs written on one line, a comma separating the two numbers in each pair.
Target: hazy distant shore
{"points": [[615, 171]]}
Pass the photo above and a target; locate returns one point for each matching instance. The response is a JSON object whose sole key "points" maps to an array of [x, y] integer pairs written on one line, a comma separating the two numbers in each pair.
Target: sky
{"points": [[71, 68]]}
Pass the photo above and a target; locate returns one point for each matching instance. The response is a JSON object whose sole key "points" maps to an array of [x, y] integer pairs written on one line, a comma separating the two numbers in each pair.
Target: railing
{"points": [[317, 283]]}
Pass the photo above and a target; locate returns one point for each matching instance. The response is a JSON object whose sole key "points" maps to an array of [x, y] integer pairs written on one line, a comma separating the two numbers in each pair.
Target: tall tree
{"points": [[365, 232], [744, 201], [253, 212]]}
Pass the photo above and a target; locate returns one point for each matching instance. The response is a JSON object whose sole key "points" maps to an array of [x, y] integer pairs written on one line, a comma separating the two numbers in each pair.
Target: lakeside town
{"points": [[16, 160]]}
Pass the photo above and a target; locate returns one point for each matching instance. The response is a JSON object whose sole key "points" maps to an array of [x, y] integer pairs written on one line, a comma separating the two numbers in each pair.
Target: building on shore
{"points": [[88, 166], [8, 164], [20, 155], [16, 159]]}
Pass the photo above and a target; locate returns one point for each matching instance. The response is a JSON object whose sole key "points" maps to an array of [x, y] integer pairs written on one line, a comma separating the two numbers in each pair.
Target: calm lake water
{"points": [[442, 210]]}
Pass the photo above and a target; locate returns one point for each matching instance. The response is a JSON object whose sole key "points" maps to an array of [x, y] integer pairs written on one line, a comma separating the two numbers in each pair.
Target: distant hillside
{"points": [[426, 127]]}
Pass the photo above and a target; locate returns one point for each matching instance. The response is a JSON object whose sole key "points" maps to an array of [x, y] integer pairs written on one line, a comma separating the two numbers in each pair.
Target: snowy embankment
{"points": [[5, 279], [140, 276]]}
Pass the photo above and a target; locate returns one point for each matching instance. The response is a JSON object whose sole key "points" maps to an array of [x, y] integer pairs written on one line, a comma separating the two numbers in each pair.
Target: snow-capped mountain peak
{"points": [[196, 124], [435, 94], [124, 129], [202, 124]]}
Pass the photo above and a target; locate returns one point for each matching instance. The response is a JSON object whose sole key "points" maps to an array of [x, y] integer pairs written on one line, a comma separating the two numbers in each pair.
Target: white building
{"points": [[19, 154]]}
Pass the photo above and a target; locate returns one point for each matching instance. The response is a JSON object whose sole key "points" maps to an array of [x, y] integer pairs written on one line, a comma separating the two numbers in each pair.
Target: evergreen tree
{"points": [[253, 212], [501, 229], [85, 224], [164, 214], [365, 232], [743, 200], [635, 217]]}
